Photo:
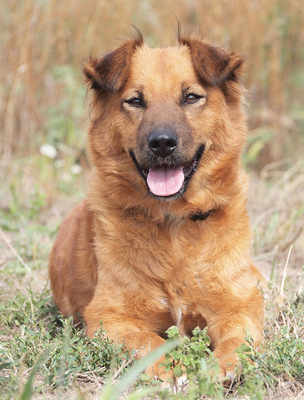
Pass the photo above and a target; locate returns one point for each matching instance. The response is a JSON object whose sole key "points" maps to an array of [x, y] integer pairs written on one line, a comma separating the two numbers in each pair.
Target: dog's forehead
{"points": [[168, 67]]}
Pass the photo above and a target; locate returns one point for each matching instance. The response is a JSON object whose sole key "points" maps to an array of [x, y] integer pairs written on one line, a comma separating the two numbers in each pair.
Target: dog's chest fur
{"points": [[162, 265]]}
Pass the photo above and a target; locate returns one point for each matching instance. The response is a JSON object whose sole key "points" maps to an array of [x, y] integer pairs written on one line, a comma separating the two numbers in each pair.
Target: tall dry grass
{"points": [[38, 37]]}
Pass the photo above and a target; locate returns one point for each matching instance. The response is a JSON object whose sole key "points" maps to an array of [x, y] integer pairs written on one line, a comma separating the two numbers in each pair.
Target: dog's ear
{"points": [[213, 64], [110, 72]]}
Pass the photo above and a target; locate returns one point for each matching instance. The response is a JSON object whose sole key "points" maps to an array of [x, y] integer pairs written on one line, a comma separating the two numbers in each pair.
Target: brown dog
{"points": [[163, 235]]}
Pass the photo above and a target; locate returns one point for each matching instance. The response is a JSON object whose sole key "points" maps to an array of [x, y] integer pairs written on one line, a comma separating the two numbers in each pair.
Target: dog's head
{"points": [[172, 118]]}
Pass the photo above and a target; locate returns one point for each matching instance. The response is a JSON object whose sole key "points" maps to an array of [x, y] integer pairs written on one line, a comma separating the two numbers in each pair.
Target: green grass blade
{"points": [[143, 392], [27, 391], [113, 392]]}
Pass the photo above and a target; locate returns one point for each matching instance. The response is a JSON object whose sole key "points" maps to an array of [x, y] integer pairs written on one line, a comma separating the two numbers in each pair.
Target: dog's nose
{"points": [[162, 142]]}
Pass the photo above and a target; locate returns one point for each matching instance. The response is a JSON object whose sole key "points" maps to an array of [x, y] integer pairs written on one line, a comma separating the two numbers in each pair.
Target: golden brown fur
{"points": [[139, 262]]}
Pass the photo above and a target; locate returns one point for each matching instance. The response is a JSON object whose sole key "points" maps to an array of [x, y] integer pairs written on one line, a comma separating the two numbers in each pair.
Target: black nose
{"points": [[162, 142]]}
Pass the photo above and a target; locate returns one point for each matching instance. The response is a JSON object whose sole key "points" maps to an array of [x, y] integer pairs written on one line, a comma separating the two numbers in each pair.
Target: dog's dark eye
{"points": [[135, 102], [192, 98]]}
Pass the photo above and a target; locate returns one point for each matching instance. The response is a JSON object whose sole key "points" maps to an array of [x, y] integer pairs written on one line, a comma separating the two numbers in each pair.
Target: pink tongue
{"points": [[165, 181]]}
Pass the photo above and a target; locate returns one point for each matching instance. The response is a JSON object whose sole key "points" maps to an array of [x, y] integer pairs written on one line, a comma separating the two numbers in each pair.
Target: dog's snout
{"points": [[162, 142]]}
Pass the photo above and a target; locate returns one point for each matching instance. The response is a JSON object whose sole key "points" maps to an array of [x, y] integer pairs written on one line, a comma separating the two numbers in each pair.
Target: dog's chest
{"points": [[177, 261], [183, 297]]}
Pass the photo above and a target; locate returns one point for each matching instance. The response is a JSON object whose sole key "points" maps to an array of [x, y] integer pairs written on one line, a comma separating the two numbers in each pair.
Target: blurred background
{"points": [[42, 93]]}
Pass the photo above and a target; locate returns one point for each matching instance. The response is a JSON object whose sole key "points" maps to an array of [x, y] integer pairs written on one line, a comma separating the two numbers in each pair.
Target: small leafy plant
{"points": [[187, 357], [194, 361], [68, 354]]}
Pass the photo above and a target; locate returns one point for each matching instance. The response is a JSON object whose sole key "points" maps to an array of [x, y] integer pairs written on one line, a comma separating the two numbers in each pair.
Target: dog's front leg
{"points": [[228, 325], [134, 332]]}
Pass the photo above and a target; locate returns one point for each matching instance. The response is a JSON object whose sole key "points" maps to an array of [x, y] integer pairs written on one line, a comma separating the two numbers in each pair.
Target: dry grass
{"points": [[37, 38], [277, 206]]}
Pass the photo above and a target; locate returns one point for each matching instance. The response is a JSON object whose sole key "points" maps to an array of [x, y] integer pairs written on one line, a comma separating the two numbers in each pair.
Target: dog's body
{"points": [[163, 236]]}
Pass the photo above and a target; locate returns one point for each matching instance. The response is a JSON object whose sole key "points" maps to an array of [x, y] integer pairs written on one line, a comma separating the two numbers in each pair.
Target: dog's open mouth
{"points": [[165, 180], [169, 181]]}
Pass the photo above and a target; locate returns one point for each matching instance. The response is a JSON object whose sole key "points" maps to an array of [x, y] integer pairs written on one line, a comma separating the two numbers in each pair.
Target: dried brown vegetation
{"points": [[37, 37]]}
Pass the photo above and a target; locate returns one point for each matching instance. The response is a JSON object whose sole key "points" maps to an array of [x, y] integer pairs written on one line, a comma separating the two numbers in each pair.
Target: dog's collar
{"points": [[199, 215]]}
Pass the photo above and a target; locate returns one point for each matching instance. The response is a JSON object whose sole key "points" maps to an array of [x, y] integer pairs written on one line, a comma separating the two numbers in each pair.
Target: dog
{"points": [[163, 236]]}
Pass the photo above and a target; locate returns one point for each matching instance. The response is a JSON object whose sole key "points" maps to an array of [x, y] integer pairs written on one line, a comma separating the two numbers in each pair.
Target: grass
{"points": [[63, 359]]}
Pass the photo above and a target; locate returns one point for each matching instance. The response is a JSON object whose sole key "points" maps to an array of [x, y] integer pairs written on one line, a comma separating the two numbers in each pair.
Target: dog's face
{"points": [[166, 150], [175, 114]]}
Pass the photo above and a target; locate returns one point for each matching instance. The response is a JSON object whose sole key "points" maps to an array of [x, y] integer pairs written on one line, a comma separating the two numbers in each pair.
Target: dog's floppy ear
{"points": [[213, 64], [111, 71]]}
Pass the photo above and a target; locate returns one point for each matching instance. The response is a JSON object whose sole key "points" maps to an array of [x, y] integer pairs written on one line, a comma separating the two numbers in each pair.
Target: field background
{"points": [[43, 45]]}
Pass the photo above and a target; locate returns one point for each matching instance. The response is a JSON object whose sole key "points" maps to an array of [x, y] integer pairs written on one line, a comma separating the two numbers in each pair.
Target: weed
{"points": [[194, 360], [68, 354]]}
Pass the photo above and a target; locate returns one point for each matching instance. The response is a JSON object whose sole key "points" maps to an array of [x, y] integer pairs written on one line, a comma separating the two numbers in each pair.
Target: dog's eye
{"points": [[135, 102], [192, 98]]}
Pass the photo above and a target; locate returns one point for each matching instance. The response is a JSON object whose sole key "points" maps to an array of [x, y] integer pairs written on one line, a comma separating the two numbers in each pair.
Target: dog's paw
{"points": [[175, 384], [167, 378], [227, 377], [228, 366], [157, 372]]}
